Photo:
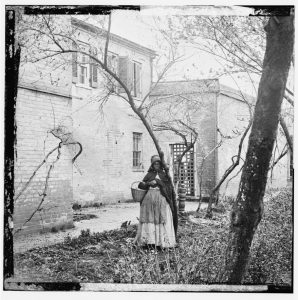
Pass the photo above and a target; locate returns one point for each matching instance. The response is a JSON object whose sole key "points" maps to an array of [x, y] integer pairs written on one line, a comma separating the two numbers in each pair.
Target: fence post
{"points": [[181, 197]]}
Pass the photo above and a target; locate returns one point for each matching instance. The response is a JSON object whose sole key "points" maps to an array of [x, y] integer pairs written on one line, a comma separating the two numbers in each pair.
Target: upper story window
{"points": [[84, 69], [113, 62], [113, 65], [130, 73]]}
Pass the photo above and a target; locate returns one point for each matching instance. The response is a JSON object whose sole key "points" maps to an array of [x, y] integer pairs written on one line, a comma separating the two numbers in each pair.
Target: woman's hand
{"points": [[153, 182]]}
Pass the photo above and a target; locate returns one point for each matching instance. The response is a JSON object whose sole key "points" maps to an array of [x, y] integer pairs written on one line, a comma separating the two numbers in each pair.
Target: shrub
{"points": [[110, 256], [271, 252]]}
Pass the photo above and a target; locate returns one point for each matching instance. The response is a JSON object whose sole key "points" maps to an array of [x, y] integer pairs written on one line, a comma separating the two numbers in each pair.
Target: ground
{"points": [[110, 257], [107, 217]]}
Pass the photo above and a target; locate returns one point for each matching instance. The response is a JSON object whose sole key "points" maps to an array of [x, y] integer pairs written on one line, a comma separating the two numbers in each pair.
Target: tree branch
{"points": [[286, 132], [107, 41], [227, 172]]}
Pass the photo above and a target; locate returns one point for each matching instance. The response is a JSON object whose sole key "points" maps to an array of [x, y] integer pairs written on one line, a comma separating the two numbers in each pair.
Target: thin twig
{"points": [[44, 193]]}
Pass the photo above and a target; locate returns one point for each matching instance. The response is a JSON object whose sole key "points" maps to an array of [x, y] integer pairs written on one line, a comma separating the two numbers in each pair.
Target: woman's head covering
{"points": [[154, 159]]}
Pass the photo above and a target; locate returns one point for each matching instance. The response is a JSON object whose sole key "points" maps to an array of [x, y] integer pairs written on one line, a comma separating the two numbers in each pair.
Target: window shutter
{"points": [[93, 69], [138, 80], [123, 71], [130, 82], [74, 64]]}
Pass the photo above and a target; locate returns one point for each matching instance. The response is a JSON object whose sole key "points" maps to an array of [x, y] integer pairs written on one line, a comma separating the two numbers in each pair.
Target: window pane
{"points": [[137, 149], [134, 143], [138, 158]]}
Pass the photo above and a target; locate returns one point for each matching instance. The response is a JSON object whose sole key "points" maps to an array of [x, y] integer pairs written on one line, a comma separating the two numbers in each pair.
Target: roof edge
{"points": [[233, 93], [114, 37]]}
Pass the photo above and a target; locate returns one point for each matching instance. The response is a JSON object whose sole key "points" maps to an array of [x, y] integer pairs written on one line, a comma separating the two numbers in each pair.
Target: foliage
{"points": [[272, 255], [111, 257]]}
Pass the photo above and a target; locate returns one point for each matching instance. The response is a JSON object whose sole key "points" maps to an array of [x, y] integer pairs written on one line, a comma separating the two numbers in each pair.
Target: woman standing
{"points": [[158, 213]]}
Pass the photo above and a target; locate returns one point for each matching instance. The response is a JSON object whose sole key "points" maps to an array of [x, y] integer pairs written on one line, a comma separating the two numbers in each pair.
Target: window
{"points": [[83, 74], [131, 75], [83, 65], [84, 69], [113, 64], [137, 150]]}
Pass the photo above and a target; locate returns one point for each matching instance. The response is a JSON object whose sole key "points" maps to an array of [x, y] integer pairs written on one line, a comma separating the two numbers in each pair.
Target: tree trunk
{"points": [[12, 61], [248, 207]]}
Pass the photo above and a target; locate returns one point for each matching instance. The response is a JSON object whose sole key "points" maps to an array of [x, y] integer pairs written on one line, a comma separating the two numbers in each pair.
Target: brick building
{"points": [[43, 102], [116, 145]]}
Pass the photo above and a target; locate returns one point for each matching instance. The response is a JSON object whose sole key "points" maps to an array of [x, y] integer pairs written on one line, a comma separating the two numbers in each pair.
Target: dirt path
{"points": [[109, 217]]}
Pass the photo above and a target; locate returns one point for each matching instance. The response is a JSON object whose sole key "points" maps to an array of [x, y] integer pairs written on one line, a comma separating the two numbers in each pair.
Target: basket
{"points": [[137, 194]]}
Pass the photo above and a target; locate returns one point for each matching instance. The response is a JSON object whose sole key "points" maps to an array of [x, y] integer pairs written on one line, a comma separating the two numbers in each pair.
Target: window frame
{"points": [[110, 53], [83, 64], [137, 148], [114, 69]]}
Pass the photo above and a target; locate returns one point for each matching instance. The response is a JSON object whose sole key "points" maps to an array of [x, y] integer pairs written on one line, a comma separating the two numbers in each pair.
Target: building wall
{"points": [[34, 118], [233, 117], [206, 151], [43, 104], [280, 176], [195, 101], [104, 171], [49, 100]]}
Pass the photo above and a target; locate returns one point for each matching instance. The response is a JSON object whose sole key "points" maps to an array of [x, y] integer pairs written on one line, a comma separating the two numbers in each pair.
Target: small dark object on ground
{"points": [[80, 217], [76, 206], [125, 224]]}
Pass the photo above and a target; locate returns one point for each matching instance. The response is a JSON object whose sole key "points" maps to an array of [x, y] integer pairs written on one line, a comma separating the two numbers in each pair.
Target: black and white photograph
{"points": [[148, 148]]}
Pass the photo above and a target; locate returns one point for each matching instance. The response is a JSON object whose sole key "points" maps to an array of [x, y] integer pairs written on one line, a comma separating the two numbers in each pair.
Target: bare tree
{"points": [[52, 40], [238, 42], [188, 135], [238, 45], [248, 207]]}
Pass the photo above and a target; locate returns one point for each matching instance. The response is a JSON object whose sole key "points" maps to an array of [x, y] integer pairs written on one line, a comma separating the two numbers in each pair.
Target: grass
{"points": [[109, 257]]}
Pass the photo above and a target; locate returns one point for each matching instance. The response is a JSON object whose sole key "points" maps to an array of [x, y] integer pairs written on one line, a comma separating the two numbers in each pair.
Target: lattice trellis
{"points": [[186, 167]]}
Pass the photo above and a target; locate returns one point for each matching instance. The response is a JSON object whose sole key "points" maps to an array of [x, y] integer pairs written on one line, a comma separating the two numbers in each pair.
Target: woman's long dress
{"points": [[156, 221]]}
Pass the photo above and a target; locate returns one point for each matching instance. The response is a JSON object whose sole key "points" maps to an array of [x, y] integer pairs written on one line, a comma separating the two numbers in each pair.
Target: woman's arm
{"points": [[149, 180], [143, 185]]}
